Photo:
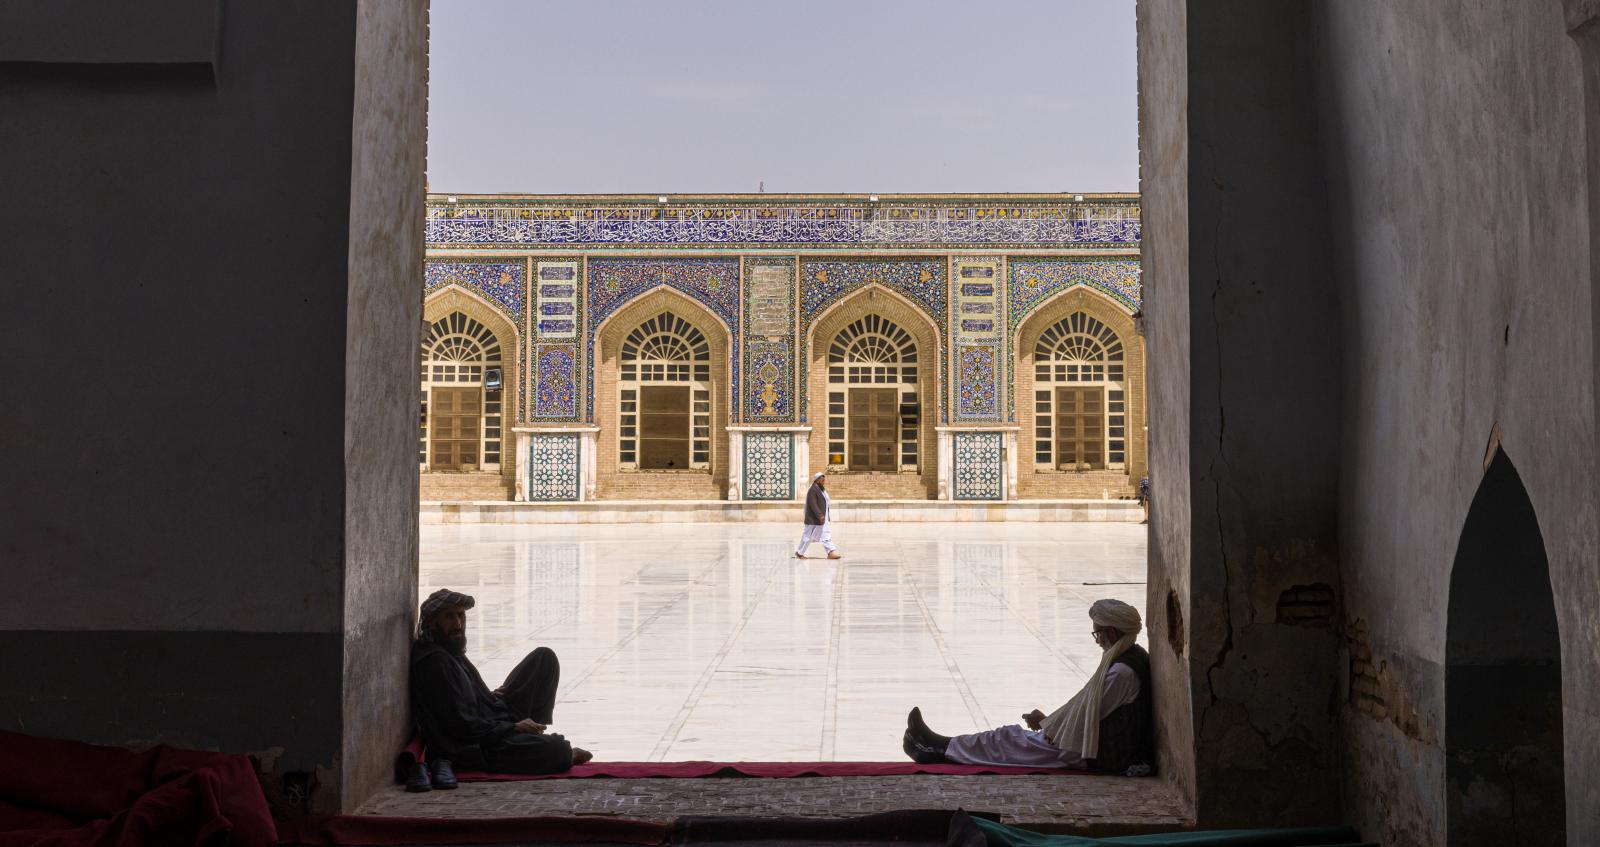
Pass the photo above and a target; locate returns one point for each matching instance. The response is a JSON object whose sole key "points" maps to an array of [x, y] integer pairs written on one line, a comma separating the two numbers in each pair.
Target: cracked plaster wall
{"points": [[1243, 332], [1455, 149]]}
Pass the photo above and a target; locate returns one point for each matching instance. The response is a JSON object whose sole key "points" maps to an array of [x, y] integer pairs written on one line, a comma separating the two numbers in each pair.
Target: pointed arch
{"points": [[694, 326], [1504, 769], [498, 408], [920, 407], [1073, 315]]}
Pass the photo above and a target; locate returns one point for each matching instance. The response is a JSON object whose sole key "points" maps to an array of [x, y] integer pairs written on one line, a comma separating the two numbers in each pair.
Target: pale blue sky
{"points": [[809, 95]]}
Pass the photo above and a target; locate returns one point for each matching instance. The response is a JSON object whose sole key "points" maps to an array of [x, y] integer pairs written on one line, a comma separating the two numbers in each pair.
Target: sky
{"points": [[847, 96]]}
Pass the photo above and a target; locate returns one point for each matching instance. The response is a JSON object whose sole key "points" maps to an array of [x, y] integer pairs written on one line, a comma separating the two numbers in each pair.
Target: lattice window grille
{"points": [[665, 349], [458, 351], [873, 351], [1084, 351]]}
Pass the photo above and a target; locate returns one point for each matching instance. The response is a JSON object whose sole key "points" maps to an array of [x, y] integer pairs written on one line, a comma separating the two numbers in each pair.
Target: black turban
{"points": [[443, 599]]}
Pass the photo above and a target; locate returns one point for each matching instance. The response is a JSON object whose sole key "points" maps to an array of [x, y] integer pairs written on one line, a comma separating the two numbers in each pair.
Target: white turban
{"points": [[1076, 725], [818, 475]]}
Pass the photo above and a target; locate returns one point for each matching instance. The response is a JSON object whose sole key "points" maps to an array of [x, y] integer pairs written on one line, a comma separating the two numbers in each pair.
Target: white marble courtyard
{"points": [[710, 641]]}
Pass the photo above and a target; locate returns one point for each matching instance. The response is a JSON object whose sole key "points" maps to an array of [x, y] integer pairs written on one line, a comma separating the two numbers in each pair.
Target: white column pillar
{"points": [[942, 456], [519, 468], [802, 463], [735, 464], [588, 448], [1010, 442]]}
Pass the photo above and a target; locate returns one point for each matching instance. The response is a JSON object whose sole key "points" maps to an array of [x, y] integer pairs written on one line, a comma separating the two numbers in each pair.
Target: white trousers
{"points": [[1011, 745], [814, 534]]}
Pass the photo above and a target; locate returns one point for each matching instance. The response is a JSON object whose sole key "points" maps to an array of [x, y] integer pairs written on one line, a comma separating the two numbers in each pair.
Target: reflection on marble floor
{"points": [[710, 641]]}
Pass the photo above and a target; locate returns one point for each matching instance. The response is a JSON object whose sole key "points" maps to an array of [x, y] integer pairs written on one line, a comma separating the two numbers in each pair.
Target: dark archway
{"points": [[1503, 764]]}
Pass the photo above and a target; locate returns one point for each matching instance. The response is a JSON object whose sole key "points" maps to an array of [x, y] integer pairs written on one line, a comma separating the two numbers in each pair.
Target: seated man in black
{"points": [[466, 725]]}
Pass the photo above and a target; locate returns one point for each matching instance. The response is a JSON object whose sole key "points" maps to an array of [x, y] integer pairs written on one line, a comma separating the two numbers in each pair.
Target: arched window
{"points": [[664, 397], [872, 397], [461, 398], [1080, 422]]}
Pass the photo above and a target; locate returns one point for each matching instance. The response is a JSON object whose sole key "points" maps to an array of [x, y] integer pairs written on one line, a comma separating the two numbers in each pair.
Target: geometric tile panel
{"points": [[979, 466], [1034, 280], [553, 468], [769, 466]]}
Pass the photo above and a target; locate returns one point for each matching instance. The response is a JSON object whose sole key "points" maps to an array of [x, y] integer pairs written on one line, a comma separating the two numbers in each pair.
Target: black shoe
{"points": [[920, 730], [418, 781], [919, 752], [444, 776]]}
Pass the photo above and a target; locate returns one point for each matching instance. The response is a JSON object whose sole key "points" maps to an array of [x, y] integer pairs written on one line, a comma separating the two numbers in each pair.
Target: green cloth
{"points": [[1000, 835]]}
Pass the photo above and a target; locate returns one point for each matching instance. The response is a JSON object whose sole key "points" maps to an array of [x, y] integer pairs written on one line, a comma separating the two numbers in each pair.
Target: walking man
{"points": [[817, 526]]}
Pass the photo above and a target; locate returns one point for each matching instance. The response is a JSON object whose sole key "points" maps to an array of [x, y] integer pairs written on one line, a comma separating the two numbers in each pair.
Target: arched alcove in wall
{"points": [[1503, 751]]}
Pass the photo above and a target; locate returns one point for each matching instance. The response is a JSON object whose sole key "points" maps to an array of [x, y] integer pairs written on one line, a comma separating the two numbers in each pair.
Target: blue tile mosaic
{"points": [[843, 224], [502, 283]]}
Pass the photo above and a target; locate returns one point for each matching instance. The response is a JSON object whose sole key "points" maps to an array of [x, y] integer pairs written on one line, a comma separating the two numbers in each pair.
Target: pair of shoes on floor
{"points": [[426, 776]]}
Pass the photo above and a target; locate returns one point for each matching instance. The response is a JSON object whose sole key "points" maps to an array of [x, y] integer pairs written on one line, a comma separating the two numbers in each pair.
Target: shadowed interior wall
{"points": [[1258, 380], [192, 528], [1454, 144]]}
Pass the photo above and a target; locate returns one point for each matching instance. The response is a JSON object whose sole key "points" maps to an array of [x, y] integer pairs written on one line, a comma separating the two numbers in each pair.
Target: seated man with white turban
{"points": [[1107, 727]]}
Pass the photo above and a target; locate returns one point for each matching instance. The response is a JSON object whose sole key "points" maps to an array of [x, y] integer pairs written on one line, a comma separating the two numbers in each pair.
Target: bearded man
{"points": [[466, 725], [1107, 727]]}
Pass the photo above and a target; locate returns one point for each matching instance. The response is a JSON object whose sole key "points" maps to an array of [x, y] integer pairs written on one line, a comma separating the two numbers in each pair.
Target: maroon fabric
{"points": [[66, 793], [353, 829], [766, 770]]}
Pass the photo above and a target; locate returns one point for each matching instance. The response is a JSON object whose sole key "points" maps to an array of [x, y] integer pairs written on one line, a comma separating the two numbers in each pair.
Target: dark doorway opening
{"points": [[1503, 763]]}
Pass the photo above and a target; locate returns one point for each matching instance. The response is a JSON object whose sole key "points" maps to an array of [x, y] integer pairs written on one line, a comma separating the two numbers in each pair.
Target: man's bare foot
{"points": [[581, 756]]}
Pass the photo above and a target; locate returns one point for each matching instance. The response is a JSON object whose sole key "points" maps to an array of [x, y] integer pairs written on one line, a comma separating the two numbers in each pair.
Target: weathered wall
{"points": [[1260, 370], [1164, 256], [1455, 147], [177, 541], [382, 332]]}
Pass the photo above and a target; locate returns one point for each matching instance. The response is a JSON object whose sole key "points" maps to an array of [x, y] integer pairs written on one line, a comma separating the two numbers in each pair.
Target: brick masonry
{"points": [[1090, 804]]}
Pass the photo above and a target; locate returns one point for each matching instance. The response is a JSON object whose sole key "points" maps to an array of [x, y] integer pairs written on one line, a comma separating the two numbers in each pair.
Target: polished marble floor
{"points": [[710, 641]]}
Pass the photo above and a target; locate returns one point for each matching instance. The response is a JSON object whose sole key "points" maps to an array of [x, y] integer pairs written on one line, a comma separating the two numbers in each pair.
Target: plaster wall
{"points": [[181, 530], [1454, 138], [1252, 389], [382, 333]]}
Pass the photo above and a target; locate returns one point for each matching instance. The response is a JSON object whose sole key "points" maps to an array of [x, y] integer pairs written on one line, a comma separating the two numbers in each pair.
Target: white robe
{"points": [[820, 532], [1019, 747]]}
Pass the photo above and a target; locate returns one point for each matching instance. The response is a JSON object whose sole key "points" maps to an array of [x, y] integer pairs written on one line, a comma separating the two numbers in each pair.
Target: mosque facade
{"points": [[913, 347]]}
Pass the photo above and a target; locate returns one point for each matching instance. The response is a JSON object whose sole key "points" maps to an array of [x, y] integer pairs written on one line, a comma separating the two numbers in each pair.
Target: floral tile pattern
{"points": [[501, 283]]}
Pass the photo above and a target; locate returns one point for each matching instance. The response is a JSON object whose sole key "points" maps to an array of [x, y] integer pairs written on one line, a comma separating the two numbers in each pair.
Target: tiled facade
{"points": [[770, 280]]}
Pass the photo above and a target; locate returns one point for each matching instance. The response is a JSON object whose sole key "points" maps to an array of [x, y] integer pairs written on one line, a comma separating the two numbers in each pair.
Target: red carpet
{"points": [[66, 794], [691, 770], [351, 829]]}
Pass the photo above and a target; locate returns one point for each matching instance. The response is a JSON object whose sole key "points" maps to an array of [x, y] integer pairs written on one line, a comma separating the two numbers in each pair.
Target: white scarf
{"points": [[1076, 725]]}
